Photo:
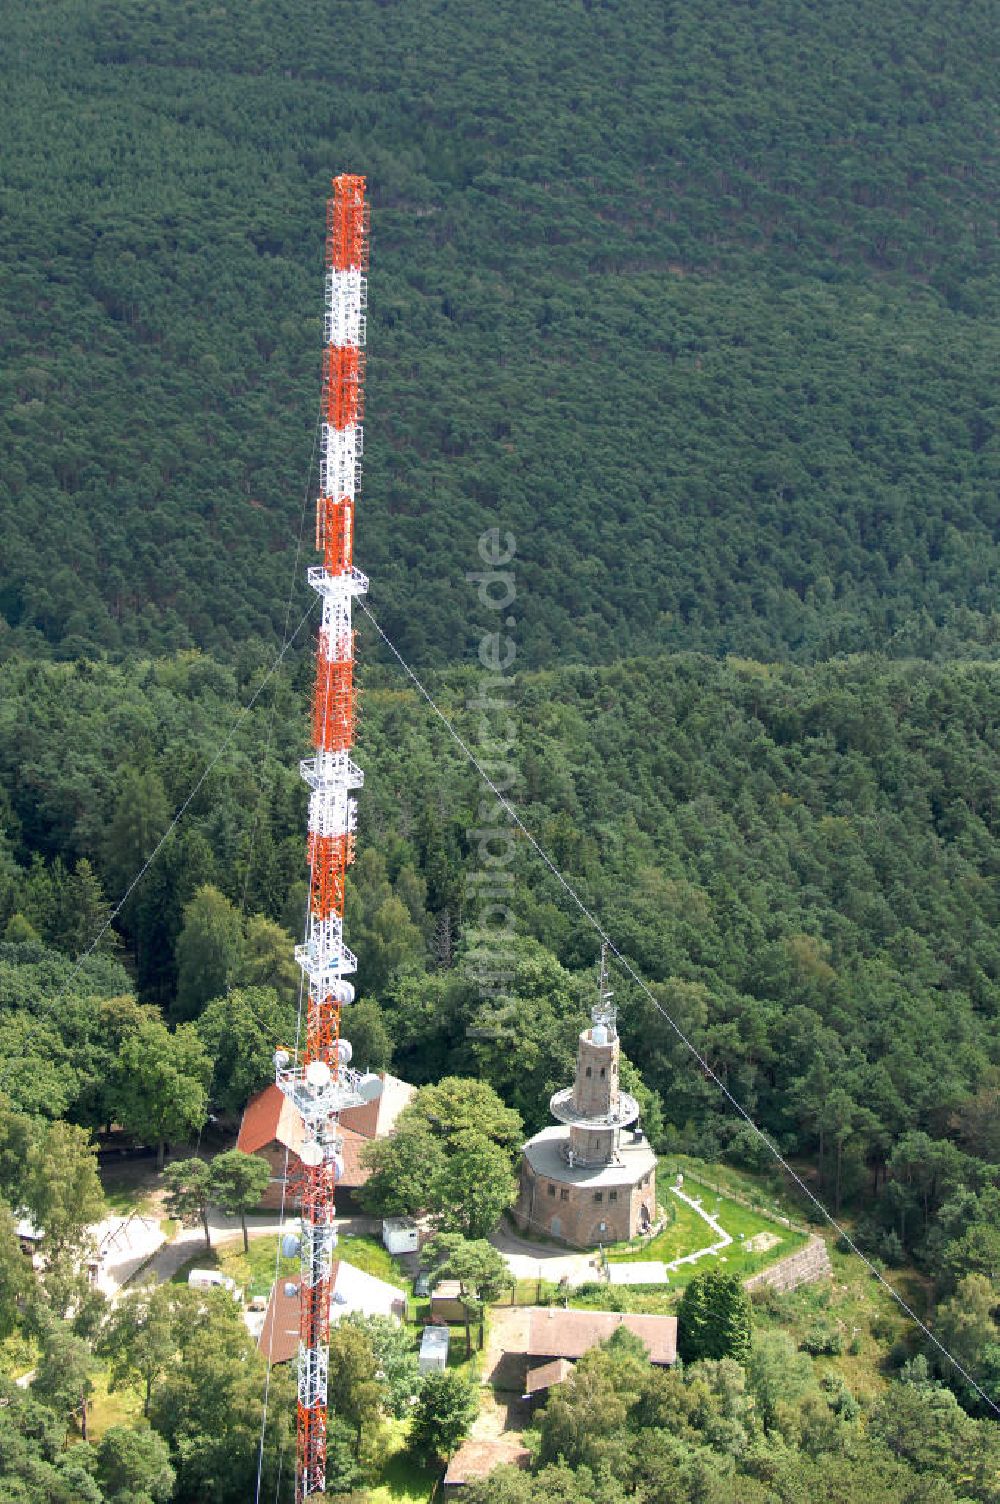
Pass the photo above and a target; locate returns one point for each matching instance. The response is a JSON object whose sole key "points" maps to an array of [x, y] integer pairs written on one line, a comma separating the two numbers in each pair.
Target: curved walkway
{"points": [[527, 1260], [186, 1244], [724, 1238]]}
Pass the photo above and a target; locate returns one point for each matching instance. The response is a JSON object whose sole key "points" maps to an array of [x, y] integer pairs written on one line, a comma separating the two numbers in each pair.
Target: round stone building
{"points": [[592, 1179]]}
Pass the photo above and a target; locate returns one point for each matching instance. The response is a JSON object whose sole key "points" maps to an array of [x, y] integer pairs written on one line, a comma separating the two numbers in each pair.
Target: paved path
{"points": [[123, 1245], [528, 1260], [169, 1257], [190, 1241], [722, 1236]]}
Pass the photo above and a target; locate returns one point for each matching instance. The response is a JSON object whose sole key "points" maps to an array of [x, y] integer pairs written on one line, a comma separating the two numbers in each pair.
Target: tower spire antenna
{"points": [[320, 1083], [603, 1012]]}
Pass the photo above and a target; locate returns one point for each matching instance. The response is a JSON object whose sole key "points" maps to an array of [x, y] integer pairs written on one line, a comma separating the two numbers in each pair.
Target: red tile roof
{"points": [[355, 1173], [548, 1375], [377, 1119], [279, 1335], [555, 1333], [270, 1117]]}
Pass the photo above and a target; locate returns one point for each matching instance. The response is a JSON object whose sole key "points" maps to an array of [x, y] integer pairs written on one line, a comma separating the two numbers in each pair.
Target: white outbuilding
{"points": [[400, 1235], [434, 1349]]}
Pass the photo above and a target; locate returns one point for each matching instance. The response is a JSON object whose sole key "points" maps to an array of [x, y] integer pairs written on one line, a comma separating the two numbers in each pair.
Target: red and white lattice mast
{"points": [[320, 1082]]}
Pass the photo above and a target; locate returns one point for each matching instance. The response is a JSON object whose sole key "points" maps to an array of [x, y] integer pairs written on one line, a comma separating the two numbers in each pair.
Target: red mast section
{"points": [[320, 1083]]}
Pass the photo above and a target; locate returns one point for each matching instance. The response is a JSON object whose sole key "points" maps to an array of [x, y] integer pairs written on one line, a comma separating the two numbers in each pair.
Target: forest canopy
{"points": [[696, 307], [699, 301], [801, 861]]}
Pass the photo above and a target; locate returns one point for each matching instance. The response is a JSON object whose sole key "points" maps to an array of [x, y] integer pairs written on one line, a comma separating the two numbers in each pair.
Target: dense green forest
{"points": [[801, 861], [768, 1432], [698, 304], [698, 300]]}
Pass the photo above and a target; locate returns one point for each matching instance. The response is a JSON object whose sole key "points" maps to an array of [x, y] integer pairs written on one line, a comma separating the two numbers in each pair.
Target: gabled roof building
{"points": [[352, 1290], [272, 1128]]}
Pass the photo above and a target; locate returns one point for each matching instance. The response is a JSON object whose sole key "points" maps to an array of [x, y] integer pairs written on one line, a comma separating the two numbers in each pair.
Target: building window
{"points": [[612, 1195], [602, 1073], [589, 1071], [564, 1195], [598, 1195], [552, 1190]]}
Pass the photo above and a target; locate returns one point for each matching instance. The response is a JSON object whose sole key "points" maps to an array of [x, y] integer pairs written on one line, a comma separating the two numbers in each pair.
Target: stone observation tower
{"points": [[592, 1180]]}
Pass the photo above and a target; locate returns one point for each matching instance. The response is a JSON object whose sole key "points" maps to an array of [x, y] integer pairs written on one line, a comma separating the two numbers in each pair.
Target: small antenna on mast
{"points": [[603, 1012]]}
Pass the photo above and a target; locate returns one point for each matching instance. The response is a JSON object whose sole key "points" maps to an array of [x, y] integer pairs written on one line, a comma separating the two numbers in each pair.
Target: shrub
{"points": [[823, 1339]]}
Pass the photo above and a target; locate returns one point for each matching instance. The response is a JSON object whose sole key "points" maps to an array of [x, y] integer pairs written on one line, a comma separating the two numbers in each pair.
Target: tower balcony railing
{"points": [[576, 1160], [564, 1109], [331, 769], [325, 583]]}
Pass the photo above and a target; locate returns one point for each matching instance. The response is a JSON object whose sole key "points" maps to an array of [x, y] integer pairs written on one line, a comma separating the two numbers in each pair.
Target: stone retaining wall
{"points": [[801, 1268]]}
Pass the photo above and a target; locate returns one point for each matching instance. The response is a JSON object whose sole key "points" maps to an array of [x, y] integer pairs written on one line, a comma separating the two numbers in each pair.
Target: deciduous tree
{"points": [[267, 960], [61, 1187], [405, 1170], [209, 951], [354, 1390], [16, 1278], [473, 1186], [138, 1339], [133, 1467], [714, 1318], [237, 1181], [138, 821], [458, 1104], [481, 1270], [241, 1031], [207, 1406], [189, 1192], [64, 1373], [442, 1417], [398, 1371], [161, 1084]]}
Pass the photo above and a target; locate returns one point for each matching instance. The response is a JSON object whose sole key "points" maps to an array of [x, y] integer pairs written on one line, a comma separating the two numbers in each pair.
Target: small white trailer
{"points": [[434, 1349], [400, 1235]]}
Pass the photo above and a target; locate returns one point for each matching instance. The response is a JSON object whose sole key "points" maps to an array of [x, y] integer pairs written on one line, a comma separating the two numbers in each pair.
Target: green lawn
{"points": [[254, 1272], [467, 1367], [403, 1480], [368, 1254], [687, 1232], [123, 1408]]}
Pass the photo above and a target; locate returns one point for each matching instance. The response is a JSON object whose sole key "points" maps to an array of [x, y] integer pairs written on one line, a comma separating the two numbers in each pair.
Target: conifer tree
{"points": [[714, 1319]]}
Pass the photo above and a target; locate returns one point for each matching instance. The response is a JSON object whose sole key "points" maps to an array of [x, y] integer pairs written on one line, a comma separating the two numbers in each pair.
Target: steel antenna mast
{"points": [[320, 1083]]}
